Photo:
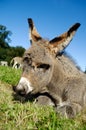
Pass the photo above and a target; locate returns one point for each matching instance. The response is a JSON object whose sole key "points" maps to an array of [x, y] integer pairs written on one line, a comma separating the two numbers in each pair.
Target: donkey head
{"points": [[39, 60]]}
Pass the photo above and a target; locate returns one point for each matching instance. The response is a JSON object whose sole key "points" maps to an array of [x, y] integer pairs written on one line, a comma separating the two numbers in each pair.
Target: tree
{"points": [[7, 52], [4, 37]]}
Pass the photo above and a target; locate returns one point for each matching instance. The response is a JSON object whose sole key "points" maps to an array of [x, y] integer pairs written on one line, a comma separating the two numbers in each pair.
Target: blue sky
{"points": [[51, 17]]}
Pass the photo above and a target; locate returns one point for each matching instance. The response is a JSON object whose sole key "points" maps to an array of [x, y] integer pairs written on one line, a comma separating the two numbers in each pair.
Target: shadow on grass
{"points": [[38, 98]]}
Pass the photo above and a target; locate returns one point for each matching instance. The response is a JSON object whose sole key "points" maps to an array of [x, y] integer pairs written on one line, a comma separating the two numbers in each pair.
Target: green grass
{"points": [[9, 75], [15, 115]]}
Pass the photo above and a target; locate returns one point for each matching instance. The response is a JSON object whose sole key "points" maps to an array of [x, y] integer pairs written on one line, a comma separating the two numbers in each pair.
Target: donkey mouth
{"points": [[27, 95], [23, 88], [20, 92]]}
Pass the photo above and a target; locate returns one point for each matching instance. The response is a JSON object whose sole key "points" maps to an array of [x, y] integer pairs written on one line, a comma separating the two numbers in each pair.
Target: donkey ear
{"points": [[33, 34], [58, 44]]}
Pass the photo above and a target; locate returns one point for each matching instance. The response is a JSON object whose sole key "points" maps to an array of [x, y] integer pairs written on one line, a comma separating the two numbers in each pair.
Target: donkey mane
{"points": [[71, 59], [68, 65]]}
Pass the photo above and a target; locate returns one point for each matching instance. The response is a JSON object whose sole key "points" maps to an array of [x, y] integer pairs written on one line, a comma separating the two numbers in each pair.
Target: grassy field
{"points": [[15, 115]]}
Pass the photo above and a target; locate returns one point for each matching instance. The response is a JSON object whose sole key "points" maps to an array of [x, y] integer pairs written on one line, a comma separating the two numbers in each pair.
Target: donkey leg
{"points": [[69, 110], [65, 111], [73, 110], [43, 100]]}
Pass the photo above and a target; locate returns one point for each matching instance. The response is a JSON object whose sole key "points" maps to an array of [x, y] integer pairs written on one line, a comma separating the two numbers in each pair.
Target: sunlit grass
{"points": [[9, 75]]}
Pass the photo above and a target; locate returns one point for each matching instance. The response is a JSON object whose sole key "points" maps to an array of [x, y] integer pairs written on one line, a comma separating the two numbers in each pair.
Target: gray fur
{"points": [[55, 74]]}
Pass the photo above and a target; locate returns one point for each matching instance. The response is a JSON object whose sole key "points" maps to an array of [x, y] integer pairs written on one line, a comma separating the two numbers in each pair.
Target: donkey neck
{"points": [[67, 66], [64, 70]]}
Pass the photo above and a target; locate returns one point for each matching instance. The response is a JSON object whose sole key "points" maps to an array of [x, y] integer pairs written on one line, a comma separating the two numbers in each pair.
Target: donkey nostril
{"points": [[22, 92]]}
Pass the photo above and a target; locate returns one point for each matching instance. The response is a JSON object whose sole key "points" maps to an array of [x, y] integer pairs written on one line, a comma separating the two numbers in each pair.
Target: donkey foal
{"points": [[47, 70]]}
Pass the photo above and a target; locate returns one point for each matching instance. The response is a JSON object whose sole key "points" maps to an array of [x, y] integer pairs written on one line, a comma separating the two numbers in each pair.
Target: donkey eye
{"points": [[27, 60], [44, 66]]}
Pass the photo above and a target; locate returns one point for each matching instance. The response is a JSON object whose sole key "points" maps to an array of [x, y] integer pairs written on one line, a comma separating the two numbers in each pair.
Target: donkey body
{"points": [[3, 63], [16, 62], [48, 71]]}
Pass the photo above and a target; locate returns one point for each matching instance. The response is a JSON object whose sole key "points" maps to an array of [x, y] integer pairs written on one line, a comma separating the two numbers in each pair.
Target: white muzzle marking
{"points": [[24, 83]]}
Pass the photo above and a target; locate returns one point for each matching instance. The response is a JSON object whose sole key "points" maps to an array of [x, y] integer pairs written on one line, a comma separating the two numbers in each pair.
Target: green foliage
{"points": [[4, 37], [7, 52], [15, 115]]}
